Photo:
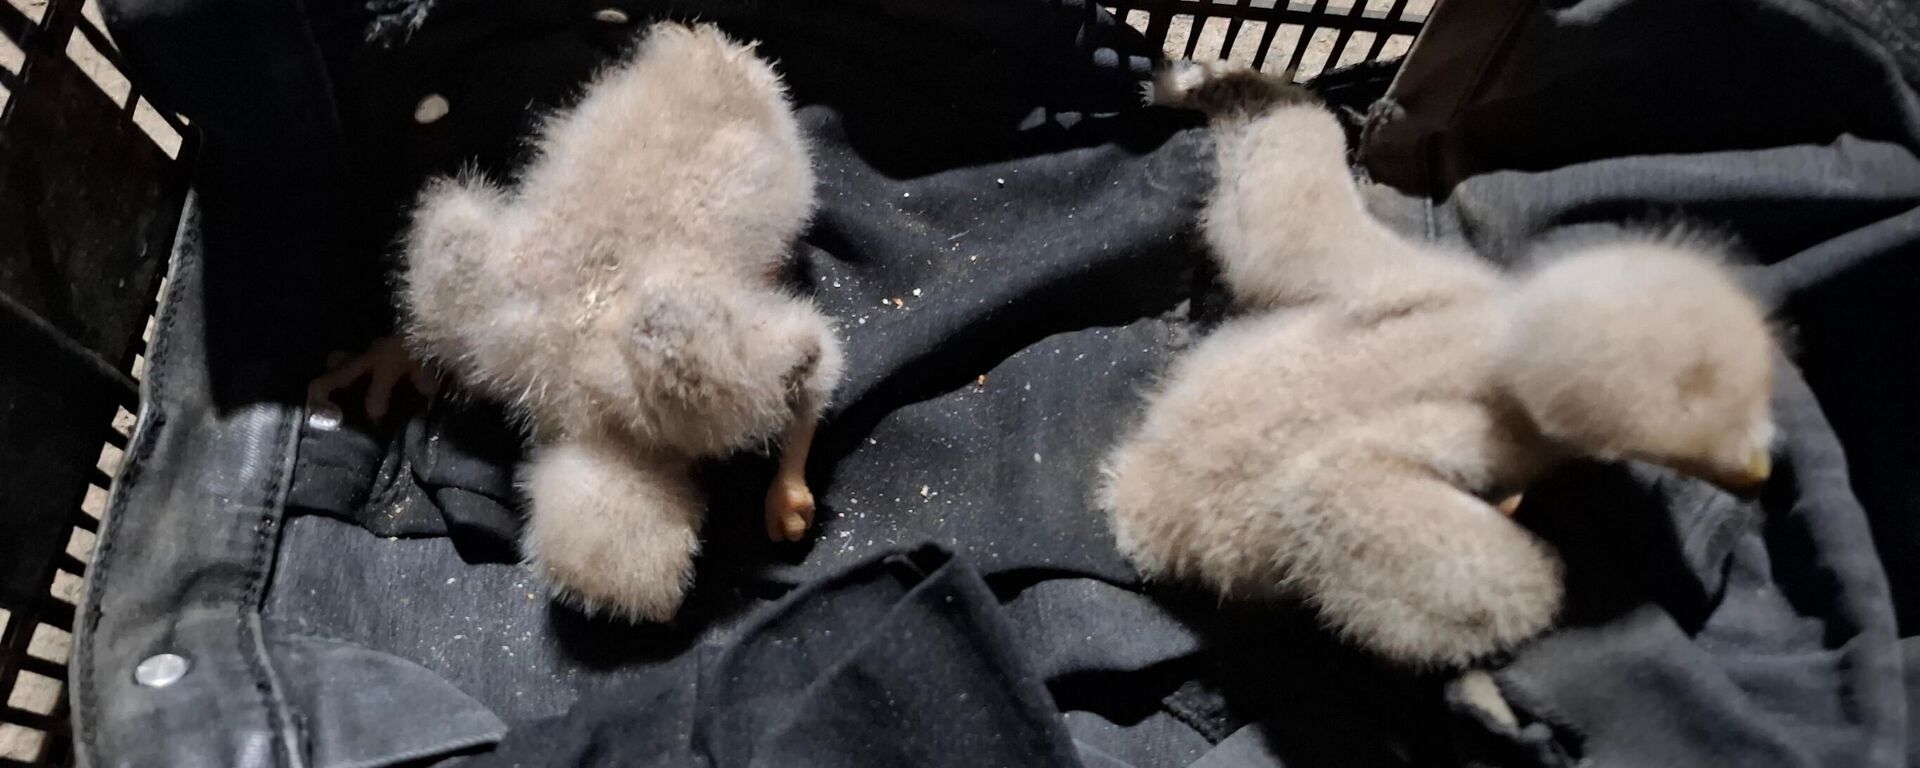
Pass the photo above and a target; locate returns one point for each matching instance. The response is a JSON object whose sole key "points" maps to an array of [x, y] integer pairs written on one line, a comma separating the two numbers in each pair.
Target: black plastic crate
{"points": [[92, 178], [92, 182]]}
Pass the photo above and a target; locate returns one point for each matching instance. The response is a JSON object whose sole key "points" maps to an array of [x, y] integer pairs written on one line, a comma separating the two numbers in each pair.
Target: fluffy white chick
{"points": [[623, 296], [1345, 451]]}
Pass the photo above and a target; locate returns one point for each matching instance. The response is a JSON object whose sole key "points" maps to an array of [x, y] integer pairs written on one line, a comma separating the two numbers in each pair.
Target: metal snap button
{"points": [[161, 670], [323, 416], [431, 109]]}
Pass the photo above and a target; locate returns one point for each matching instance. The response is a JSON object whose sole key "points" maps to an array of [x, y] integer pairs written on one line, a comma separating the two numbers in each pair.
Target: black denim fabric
{"points": [[935, 677], [1701, 632], [351, 596]]}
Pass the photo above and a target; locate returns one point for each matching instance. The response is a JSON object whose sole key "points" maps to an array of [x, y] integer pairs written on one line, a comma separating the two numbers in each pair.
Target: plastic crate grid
{"points": [[41, 38]]}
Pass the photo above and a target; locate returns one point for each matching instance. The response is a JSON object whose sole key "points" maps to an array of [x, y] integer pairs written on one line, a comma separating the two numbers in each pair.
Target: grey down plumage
{"points": [[1343, 439], [622, 296]]}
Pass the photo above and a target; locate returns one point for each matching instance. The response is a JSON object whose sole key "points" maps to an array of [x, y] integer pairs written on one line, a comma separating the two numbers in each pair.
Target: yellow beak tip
{"points": [[1754, 477]]}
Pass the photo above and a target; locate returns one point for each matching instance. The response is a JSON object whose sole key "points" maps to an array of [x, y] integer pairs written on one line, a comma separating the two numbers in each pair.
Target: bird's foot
{"points": [[384, 364], [789, 501], [789, 509]]}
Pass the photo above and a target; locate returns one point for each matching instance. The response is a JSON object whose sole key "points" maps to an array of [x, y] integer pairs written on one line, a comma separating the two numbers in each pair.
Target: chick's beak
{"points": [[1747, 482]]}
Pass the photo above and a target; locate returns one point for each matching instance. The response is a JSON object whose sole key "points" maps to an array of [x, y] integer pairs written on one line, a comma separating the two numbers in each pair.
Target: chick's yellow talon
{"points": [[789, 510], [790, 501]]}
